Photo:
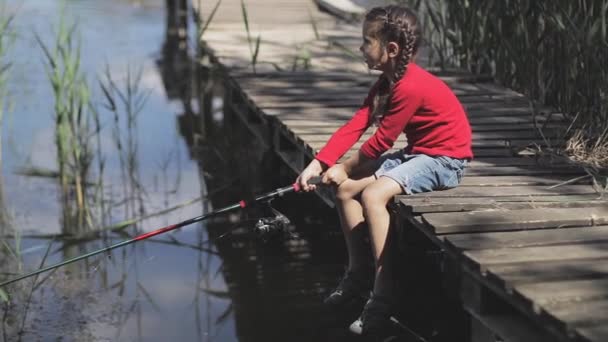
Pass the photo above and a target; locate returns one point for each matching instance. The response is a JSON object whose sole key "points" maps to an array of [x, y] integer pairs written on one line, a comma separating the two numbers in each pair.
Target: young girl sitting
{"points": [[405, 99]]}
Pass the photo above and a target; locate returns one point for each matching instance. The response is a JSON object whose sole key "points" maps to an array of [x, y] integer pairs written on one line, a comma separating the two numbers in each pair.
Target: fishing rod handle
{"points": [[316, 180]]}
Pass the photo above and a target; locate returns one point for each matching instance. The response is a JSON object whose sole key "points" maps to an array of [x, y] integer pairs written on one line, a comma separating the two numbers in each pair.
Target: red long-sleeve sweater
{"points": [[423, 107]]}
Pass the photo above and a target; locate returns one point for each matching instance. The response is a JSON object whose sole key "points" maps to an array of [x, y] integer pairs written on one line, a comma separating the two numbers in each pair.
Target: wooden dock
{"points": [[525, 237]]}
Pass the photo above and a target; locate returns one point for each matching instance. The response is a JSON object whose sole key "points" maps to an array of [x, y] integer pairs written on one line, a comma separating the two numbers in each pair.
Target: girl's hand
{"points": [[336, 174], [313, 169]]}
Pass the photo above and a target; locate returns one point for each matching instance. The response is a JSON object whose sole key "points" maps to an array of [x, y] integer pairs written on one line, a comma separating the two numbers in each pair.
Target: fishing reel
{"points": [[267, 227]]}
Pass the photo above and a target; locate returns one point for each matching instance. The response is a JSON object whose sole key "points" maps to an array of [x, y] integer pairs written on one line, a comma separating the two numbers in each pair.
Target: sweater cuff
{"points": [[327, 163]]}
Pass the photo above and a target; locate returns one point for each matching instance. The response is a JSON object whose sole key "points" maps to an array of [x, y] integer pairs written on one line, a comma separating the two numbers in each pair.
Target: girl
{"points": [[406, 99]]}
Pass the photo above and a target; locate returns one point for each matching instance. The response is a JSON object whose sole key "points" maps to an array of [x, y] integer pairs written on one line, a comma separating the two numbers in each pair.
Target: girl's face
{"points": [[374, 53]]}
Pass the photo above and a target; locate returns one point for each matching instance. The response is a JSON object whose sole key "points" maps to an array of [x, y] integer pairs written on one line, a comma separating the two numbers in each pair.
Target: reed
{"points": [[254, 47], [203, 25], [6, 39], [126, 102], [72, 120]]}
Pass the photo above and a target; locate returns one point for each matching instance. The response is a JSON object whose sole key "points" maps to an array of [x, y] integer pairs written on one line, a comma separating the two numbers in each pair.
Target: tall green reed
{"points": [[72, 120]]}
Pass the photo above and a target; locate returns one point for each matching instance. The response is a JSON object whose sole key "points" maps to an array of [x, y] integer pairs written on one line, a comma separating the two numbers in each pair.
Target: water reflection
{"points": [[193, 284]]}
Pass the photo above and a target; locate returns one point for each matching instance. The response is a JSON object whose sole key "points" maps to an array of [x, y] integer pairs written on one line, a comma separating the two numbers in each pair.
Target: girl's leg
{"points": [[352, 220], [374, 201]]}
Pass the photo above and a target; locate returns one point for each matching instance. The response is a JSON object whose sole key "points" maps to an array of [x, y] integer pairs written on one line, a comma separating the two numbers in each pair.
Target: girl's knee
{"points": [[346, 191], [373, 196]]}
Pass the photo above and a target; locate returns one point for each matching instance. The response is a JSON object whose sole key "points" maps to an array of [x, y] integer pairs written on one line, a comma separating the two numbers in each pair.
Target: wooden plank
{"points": [[547, 271], [524, 171], [488, 257], [503, 220], [501, 191], [549, 180], [597, 333], [530, 238], [518, 161], [511, 328], [572, 292], [413, 200], [586, 313], [440, 206]]}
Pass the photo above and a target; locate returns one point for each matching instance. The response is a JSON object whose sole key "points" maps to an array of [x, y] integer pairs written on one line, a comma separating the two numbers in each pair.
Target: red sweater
{"points": [[423, 107]]}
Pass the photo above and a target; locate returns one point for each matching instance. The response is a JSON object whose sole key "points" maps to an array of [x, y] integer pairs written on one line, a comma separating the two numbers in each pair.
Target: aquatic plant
{"points": [[203, 25], [253, 49], [72, 119], [6, 40], [126, 102]]}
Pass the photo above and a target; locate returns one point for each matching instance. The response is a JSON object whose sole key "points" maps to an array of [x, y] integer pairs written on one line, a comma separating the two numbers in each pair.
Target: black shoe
{"points": [[374, 320], [353, 286]]}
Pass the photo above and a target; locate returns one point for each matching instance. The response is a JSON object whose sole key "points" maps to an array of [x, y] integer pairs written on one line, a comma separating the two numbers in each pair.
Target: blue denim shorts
{"points": [[421, 173]]}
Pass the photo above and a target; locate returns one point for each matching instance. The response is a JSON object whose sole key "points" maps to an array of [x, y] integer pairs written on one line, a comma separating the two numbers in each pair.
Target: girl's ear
{"points": [[393, 49]]}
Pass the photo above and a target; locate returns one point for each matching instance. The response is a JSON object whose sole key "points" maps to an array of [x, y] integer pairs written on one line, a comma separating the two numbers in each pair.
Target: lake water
{"points": [[190, 285]]}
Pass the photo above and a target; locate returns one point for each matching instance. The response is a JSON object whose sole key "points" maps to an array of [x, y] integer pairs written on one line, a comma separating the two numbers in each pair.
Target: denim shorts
{"points": [[421, 173]]}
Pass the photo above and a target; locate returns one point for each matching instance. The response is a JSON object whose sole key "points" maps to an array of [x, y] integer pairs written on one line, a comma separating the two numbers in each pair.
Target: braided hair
{"points": [[393, 24]]}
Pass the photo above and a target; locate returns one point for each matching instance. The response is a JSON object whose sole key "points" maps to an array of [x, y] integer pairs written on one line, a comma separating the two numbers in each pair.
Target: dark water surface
{"points": [[178, 286]]}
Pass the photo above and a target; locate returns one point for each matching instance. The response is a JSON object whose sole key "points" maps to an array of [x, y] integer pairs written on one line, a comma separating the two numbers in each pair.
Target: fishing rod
{"points": [[265, 225]]}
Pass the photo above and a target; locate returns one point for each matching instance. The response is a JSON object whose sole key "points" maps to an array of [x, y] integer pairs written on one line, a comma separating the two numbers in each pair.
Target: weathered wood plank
{"points": [[585, 313], [551, 294], [487, 257], [529, 238], [479, 221], [413, 200], [501, 191], [483, 204], [517, 161], [509, 327], [594, 333], [548, 180], [547, 271], [523, 171]]}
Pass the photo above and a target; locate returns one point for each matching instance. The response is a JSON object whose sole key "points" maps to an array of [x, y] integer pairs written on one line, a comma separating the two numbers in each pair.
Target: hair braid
{"points": [[397, 24], [409, 39]]}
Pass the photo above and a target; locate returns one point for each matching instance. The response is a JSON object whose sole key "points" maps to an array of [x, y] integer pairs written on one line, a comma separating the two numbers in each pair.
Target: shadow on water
{"points": [[276, 285]]}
